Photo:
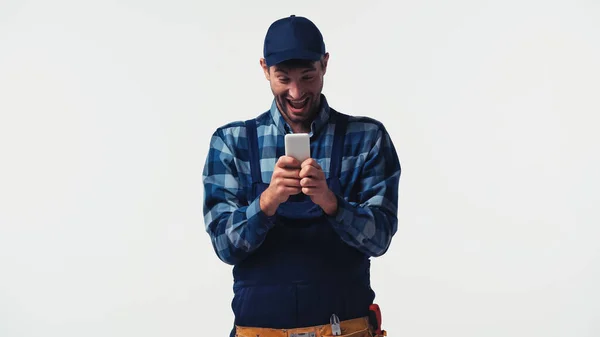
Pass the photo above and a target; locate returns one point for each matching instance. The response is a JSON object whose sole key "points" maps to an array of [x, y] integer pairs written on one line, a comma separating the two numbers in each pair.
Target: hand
{"points": [[285, 181], [314, 184]]}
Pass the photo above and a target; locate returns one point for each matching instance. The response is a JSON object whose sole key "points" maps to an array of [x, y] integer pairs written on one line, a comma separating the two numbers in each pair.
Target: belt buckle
{"points": [[303, 334]]}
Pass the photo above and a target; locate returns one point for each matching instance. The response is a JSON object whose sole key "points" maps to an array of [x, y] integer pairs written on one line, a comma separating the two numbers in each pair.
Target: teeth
{"points": [[298, 104]]}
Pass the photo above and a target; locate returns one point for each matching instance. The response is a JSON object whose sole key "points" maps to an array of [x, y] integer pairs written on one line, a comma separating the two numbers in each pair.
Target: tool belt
{"points": [[358, 327]]}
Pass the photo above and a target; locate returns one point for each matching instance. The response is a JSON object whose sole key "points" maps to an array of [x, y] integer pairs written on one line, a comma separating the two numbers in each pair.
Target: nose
{"points": [[294, 90]]}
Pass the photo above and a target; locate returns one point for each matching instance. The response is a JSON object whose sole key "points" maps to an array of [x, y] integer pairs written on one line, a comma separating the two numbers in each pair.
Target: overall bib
{"points": [[303, 272]]}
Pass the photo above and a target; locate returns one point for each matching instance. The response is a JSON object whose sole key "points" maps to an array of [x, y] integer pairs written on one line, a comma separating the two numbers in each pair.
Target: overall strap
{"points": [[253, 153], [341, 121]]}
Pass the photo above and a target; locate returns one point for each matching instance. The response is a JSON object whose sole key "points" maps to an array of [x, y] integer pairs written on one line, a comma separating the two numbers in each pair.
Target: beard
{"points": [[308, 112]]}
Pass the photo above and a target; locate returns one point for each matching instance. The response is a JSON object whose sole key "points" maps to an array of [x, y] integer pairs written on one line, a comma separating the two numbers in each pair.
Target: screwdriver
{"points": [[335, 325]]}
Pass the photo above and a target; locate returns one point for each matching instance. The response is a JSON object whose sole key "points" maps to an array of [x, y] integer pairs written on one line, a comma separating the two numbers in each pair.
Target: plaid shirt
{"points": [[370, 174]]}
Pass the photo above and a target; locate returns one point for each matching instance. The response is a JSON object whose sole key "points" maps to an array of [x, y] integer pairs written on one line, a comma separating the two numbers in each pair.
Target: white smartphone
{"points": [[297, 145]]}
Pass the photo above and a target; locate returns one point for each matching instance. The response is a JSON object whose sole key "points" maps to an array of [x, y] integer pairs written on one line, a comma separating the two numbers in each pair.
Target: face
{"points": [[297, 89]]}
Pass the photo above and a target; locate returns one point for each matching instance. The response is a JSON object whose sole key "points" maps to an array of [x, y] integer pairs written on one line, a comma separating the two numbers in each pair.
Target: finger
{"points": [[309, 182], [287, 173], [311, 190], [292, 190], [289, 182], [288, 162], [311, 171], [311, 162], [288, 187], [286, 182]]}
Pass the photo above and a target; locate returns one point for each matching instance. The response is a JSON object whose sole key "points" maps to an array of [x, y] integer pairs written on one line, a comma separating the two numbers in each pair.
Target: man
{"points": [[300, 234]]}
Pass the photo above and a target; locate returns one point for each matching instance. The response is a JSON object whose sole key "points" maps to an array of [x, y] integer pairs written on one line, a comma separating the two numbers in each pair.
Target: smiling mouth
{"points": [[297, 104]]}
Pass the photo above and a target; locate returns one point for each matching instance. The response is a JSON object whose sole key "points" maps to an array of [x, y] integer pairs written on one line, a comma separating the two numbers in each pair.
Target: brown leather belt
{"points": [[358, 327]]}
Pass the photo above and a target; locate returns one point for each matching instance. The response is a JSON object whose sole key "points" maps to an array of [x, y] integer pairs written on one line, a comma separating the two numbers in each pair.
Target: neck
{"points": [[300, 127]]}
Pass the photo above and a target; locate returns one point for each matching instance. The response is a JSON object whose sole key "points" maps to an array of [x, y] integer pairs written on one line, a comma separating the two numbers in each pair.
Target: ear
{"points": [[265, 68], [325, 60]]}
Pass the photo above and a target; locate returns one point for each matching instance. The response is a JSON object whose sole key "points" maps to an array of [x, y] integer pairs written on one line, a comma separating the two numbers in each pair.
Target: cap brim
{"points": [[287, 55]]}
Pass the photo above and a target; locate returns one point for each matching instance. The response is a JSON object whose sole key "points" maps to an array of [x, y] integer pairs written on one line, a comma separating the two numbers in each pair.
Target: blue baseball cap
{"points": [[293, 37]]}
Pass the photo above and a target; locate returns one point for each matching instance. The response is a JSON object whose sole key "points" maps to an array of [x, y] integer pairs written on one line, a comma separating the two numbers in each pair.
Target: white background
{"points": [[106, 109]]}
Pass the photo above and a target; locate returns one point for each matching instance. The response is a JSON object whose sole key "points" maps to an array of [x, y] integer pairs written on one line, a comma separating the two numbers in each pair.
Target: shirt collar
{"points": [[315, 127]]}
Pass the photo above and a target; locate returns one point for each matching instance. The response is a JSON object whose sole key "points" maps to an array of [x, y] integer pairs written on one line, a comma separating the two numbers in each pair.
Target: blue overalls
{"points": [[303, 272]]}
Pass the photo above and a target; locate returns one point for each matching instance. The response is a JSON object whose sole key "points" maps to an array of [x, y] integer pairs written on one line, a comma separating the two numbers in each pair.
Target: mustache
{"points": [[297, 100]]}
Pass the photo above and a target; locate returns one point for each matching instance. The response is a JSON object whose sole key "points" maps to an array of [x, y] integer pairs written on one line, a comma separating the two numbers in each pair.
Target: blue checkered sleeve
{"points": [[236, 228], [369, 221]]}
